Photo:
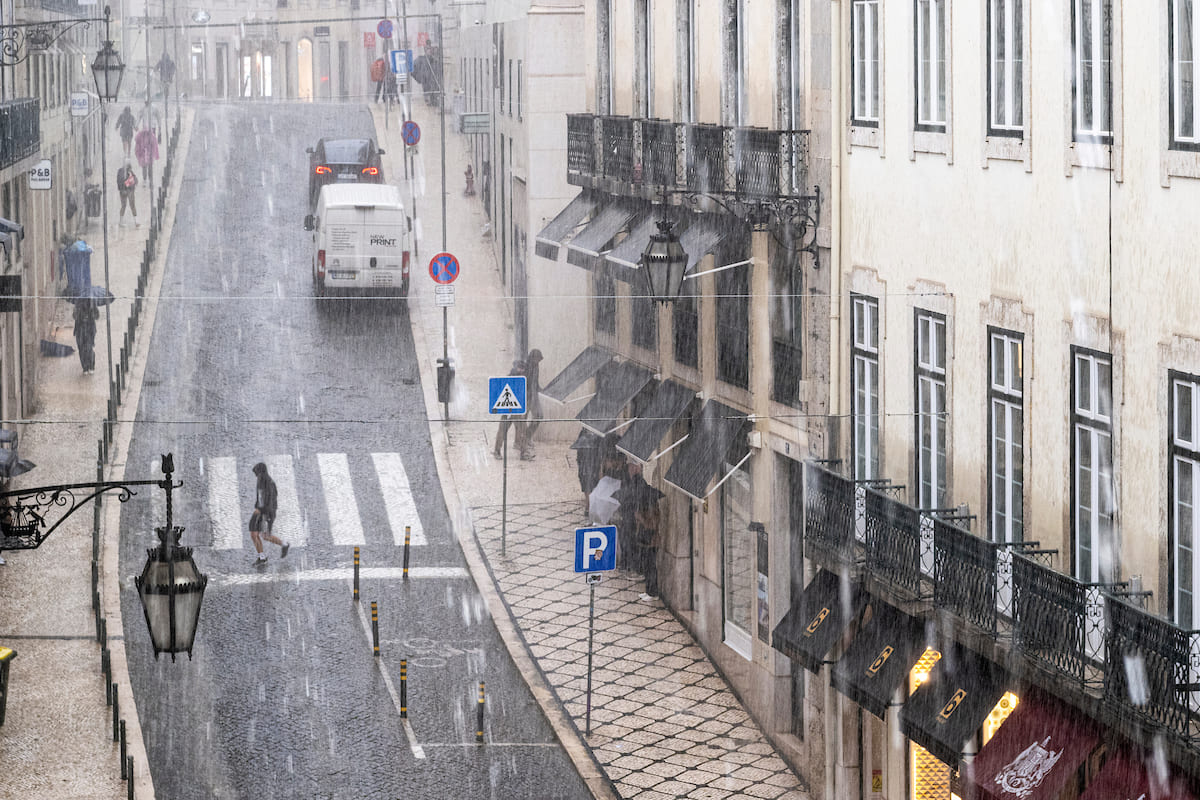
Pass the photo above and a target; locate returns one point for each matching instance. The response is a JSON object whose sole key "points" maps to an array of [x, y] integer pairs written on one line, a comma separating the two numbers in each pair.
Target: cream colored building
{"points": [[1014, 200]]}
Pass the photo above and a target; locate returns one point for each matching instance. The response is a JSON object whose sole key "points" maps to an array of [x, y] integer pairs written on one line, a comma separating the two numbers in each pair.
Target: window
{"points": [[1185, 490], [864, 393], [1005, 61], [864, 58], [520, 87], [733, 326], [1182, 40], [685, 67], [645, 322], [685, 323], [733, 89], [1092, 466], [604, 299], [931, 65], [1091, 86], [643, 49], [787, 331], [1006, 426], [931, 409]]}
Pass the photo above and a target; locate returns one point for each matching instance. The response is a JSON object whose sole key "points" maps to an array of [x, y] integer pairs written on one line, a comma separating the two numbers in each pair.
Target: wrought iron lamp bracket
{"points": [[790, 219], [24, 522], [20, 40]]}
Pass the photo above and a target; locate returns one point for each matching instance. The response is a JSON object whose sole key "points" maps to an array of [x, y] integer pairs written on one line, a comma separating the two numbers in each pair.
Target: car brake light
{"points": [[370, 171], [323, 170], [321, 264], [404, 265]]}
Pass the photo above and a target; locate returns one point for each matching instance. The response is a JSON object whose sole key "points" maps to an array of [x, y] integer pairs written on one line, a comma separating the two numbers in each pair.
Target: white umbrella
{"points": [[601, 504]]}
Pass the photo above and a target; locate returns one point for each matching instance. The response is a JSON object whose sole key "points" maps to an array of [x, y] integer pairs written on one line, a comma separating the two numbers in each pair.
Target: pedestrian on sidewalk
{"points": [[378, 67], [509, 421], [86, 314], [125, 125], [587, 464], [146, 149], [266, 499], [469, 175], [646, 520], [127, 181], [533, 401]]}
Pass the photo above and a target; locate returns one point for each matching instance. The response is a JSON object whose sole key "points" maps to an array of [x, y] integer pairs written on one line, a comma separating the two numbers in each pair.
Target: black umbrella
{"points": [[97, 295], [11, 466], [638, 494], [586, 441]]}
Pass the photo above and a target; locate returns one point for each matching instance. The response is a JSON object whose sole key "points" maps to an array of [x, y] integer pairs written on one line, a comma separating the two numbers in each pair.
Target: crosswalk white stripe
{"points": [[398, 498], [223, 503], [289, 524], [345, 525]]}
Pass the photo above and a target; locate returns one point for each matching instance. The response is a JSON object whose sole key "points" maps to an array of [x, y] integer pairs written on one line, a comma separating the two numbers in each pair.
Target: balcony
{"points": [[1138, 673], [20, 130], [645, 157]]}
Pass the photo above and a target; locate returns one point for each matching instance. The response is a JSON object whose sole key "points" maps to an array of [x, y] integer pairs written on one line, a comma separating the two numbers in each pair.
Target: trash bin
{"points": [[91, 200], [445, 379], [6, 656]]}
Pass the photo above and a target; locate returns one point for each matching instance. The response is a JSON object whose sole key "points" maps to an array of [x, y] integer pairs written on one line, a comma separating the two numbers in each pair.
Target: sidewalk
{"points": [[57, 739], [664, 722]]}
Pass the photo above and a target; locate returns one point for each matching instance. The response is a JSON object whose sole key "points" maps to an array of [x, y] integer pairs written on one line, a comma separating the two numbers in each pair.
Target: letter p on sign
{"points": [[596, 549]]}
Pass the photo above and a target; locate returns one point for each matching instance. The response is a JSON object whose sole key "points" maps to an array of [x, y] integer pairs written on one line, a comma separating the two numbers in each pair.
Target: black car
{"points": [[342, 161]]}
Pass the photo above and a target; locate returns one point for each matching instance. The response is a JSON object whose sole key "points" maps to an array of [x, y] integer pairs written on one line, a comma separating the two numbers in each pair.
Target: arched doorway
{"points": [[304, 70]]}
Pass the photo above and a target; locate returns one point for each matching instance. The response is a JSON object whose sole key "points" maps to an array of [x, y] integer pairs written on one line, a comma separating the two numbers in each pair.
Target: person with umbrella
{"points": [[86, 315]]}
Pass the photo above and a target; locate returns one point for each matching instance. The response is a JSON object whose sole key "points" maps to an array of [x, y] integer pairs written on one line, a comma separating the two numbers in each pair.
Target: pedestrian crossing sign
{"points": [[506, 395]]}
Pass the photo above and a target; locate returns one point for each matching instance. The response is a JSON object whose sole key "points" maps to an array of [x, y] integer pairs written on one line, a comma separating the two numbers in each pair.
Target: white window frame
{"points": [[1185, 499], [1007, 32], [1099, 91], [931, 65], [738, 564], [865, 87], [864, 391], [1093, 511], [1006, 434], [931, 421], [1184, 30]]}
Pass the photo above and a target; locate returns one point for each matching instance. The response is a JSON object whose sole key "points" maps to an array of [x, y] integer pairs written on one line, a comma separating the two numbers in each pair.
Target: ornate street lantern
{"points": [[664, 263], [171, 589], [108, 70]]}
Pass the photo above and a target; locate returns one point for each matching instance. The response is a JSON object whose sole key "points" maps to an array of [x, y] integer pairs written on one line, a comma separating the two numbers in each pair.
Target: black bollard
{"points": [[356, 574], [479, 720], [116, 713], [129, 768], [404, 688], [375, 626], [407, 538], [124, 752]]}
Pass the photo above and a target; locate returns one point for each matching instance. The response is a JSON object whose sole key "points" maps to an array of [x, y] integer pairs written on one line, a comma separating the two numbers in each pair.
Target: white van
{"points": [[361, 240]]}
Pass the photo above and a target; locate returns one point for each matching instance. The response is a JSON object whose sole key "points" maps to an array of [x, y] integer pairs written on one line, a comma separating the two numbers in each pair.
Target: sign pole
{"points": [[504, 501], [591, 627], [446, 360]]}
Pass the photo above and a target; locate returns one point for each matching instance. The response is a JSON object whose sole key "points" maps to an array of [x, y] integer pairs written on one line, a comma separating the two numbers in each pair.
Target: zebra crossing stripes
{"points": [[345, 525], [397, 498], [289, 525], [223, 502]]}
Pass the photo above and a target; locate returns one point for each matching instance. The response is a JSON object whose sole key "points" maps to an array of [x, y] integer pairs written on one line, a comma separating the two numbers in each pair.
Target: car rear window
{"points": [[347, 151]]}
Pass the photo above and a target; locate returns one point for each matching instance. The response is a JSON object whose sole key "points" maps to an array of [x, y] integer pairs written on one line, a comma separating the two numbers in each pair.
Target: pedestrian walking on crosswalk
{"points": [[266, 500]]}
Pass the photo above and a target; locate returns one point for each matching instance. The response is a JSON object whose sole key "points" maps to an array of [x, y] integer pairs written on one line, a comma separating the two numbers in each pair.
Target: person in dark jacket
{"points": [[533, 404], [507, 421], [266, 499], [85, 334], [127, 182], [125, 125]]}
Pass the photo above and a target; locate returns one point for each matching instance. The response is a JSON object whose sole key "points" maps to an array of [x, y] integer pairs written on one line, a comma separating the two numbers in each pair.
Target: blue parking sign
{"points": [[596, 549]]}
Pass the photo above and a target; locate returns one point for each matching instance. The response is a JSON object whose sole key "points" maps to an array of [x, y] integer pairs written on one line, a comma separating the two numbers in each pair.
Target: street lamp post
{"points": [[107, 70], [171, 587]]}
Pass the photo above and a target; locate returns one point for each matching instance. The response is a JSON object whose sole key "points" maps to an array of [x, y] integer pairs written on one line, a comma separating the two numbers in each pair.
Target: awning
{"points": [[670, 402], [1125, 775], [701, 238], [546, 243], [616, 385], [818, 618], [1033, 755], [880, 658], [947, 710], [624, 260], [583, 367], [584, 249], [700, 457]]}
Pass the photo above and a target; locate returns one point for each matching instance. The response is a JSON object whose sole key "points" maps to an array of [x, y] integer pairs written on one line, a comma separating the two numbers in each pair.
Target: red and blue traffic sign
{"points": [[411, 132], [384, 28], [443, 268]]}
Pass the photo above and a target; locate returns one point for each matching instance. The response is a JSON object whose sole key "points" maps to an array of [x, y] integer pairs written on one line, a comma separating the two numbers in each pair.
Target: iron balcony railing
{"points": [[644, 157], [20, 130], [1084, 634]]}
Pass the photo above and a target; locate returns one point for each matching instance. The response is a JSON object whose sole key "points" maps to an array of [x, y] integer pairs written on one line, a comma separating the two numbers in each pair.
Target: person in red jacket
{"points": [[378, 73]]}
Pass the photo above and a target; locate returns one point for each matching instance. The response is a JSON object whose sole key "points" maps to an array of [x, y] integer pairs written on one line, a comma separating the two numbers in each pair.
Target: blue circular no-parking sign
{"points": [[384, 28], [411, 133], [443, 268]]}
